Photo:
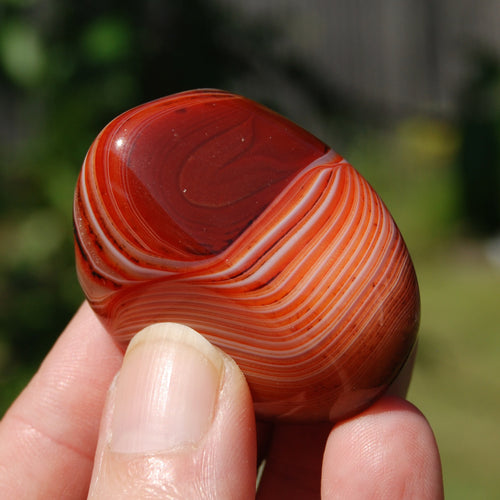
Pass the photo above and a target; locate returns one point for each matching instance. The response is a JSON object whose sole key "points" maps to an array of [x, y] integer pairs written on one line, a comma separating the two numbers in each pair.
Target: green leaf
{"points": [[21, 53], [106, 40]]}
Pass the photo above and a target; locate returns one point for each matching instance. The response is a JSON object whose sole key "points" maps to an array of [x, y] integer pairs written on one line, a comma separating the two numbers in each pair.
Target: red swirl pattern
{"points": [[207, 209]]}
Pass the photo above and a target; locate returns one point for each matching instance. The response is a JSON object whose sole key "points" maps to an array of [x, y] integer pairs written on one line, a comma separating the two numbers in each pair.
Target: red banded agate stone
{"points": [[207, 209]]}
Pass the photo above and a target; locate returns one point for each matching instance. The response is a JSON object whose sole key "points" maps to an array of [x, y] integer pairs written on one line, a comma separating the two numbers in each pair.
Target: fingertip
{"points": [[388, 451], [179, 415], [51, 430]]}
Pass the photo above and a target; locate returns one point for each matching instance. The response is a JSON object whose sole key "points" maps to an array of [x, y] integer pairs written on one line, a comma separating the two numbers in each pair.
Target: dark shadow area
{"points": [[479, 153]]}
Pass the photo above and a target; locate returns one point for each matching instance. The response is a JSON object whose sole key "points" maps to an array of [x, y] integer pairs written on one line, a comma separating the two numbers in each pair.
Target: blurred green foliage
{"points": [[21, 53]]}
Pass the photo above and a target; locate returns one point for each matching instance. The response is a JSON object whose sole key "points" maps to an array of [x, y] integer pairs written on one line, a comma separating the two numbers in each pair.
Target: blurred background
{"points": [[407, 90]]}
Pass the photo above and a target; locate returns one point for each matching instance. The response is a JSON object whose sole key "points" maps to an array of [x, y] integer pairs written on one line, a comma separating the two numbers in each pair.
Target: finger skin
{"points": [[386, 452], [294, 453], [48, 437], [220, 466]]}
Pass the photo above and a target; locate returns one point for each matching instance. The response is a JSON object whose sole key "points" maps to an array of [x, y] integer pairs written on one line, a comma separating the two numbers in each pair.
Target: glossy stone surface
{"points": [[207, 209]]}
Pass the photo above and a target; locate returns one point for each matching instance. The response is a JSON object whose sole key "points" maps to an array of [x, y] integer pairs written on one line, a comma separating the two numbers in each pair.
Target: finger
{"points": [[178, 422], [386, 452], [294, 453], [48, 437]]}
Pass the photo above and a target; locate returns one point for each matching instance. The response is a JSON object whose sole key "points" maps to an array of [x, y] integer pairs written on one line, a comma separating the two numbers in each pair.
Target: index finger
{"points": [[294, 452], [48, 436]]}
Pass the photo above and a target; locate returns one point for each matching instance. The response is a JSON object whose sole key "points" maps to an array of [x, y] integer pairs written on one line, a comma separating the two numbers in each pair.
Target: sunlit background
{"points": [[407, 90]]}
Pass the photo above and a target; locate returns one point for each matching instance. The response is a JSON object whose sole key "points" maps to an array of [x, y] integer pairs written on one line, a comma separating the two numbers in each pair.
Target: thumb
{"points": [[178, 422]]}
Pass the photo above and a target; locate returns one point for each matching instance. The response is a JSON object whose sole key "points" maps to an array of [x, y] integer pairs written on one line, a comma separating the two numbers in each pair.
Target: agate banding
{"points": [[207, 209]]}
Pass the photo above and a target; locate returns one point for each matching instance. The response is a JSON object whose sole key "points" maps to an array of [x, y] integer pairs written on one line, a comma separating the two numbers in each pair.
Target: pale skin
{"points": [[72, 429]]}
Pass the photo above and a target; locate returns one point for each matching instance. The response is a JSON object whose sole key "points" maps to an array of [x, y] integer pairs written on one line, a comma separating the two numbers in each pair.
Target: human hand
{"points": [[178, 422]]}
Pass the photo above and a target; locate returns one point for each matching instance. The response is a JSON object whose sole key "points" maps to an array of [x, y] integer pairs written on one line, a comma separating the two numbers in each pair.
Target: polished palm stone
{"points": [[207, 209]]}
